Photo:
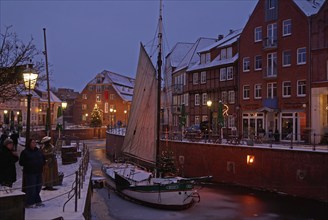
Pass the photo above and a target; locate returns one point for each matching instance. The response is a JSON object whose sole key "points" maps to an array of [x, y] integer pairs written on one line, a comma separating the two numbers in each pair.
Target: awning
{"points": [[267, 109]]}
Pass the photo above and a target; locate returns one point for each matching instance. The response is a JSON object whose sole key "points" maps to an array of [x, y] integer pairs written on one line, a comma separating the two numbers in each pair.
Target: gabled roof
{"points": [[215, 62], [123, 85], [53, 97], [191, 58], [232, 36], [309, 7], [178, 52]]}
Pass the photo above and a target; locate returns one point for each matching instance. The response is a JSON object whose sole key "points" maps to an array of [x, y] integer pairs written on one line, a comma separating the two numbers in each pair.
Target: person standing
{"points": [[32, 161], [14, 136], [50, 169], [8, 159]]}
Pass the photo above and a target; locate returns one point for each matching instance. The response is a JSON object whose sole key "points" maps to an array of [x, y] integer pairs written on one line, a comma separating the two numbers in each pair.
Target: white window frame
{"points": [[84, 96], [246, 92], [84, 106], [271, 90], [98, 88], [111, 96], [284, 89], [202, 58], [257, 91], [197, 122], [287, 27], [208, 58], [195, 79], [223, 74], [106, 107], [224, 96], [258, 34], [230, 73], [98, 98], [257, 61], [204, 98], [285, 53], [223, 54], [203, 77], [204, 118], [302, 87], [246, 64], [272, 64], [231, 97], [301, 56], [197, 101], [229, 52], [186, 98]]}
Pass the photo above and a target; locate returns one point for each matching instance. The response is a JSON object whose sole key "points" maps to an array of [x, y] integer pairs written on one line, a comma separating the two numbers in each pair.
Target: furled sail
{"points": [[140, 137]]}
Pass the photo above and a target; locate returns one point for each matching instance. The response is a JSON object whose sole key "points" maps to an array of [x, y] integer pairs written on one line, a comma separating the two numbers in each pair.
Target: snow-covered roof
{"points": [[215, 62], [115, 78], [53, 97], [192, 57], [123, 85], [309, 7], [178, 52], [233, 34]]}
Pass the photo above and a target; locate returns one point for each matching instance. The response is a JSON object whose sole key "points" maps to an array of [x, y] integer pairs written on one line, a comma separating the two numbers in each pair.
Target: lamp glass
{"points": [[209, 103], [64, 105], [30, 78]]}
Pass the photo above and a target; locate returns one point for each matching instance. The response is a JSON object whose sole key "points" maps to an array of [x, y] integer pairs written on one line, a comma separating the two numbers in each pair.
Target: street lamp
{"points": [[125, 112], [5, 116], [30, 78], [209, 104], [110, 116], [64, 106]]}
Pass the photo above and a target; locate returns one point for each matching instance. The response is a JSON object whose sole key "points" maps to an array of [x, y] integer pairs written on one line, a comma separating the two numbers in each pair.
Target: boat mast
{"points": [[159, 70]]}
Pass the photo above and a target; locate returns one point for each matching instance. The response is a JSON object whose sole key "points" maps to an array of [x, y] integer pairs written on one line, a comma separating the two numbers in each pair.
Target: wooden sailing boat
{"points": [[141, 142]]}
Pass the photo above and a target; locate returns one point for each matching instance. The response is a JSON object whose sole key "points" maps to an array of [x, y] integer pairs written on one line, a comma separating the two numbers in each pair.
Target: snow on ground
{"points": [[55, 200]]}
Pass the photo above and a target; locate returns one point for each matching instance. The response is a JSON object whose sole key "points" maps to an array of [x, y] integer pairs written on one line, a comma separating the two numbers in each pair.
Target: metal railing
{"points": [[77, 185], [306, 141]]}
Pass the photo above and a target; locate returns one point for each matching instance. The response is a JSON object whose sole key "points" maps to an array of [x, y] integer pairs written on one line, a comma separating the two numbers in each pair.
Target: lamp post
{"points": [[114, 117], [125, 112], [5, 116], [209, 105], [64, 106], [30, 78], [110, 116]]}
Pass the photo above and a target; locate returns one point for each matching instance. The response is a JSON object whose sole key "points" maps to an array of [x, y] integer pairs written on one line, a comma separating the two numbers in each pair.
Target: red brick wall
{"points": [[273, 169]]}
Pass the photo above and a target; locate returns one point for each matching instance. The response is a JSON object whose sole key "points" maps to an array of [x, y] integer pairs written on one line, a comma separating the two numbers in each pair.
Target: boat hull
{"points": [[172, 196]]}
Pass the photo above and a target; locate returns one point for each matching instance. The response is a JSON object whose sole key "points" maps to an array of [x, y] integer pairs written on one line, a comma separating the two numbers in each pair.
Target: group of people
{"points": [[36, 165]]}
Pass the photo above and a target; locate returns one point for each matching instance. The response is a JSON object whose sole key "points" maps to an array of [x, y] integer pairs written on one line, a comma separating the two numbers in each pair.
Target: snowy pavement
{"points": [[55, 200]]}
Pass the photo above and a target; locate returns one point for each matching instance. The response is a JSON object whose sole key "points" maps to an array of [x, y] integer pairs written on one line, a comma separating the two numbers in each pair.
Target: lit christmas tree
{"points": [[95, 117]]}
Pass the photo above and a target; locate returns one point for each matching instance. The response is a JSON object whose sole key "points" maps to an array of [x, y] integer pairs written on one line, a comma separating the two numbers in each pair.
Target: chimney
{"points": [[220, 37]]}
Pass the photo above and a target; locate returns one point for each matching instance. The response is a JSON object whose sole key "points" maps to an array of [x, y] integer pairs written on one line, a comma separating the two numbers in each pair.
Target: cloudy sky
{"points": [[85, 37]]}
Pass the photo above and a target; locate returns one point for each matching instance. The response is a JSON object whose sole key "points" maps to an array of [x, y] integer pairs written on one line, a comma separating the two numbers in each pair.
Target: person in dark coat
{"points": [[32, 161], [3, 137], [8, 158], [14, 136]]}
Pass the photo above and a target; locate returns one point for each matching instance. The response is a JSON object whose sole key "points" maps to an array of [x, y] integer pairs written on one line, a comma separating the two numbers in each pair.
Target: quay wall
{"points": [[294, 172], [82, 134]]}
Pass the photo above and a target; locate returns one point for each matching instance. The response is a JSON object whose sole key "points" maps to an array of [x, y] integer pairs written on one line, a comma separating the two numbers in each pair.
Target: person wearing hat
{"points": [[50, 169], [8, 158]]}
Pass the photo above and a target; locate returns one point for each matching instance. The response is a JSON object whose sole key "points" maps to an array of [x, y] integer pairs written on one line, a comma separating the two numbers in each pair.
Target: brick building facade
{"points": [[111, 93], [274, 69]]}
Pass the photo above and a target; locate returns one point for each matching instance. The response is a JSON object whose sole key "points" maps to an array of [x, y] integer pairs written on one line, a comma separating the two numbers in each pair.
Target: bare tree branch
{"points": [[14, 56]]}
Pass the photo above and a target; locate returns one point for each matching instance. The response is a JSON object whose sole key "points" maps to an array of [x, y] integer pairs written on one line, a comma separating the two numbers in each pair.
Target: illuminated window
{"points": [[250, 159]]}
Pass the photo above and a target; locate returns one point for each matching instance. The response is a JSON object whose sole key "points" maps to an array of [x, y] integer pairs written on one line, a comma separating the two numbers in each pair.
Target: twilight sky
{"points": [[85, 37]]}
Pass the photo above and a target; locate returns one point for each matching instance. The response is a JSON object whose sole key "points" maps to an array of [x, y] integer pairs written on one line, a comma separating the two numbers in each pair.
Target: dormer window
{"points": [[99, 80], [205, 58]]}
